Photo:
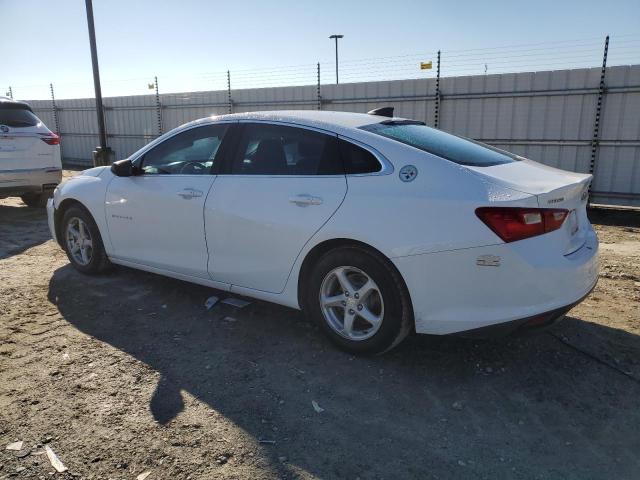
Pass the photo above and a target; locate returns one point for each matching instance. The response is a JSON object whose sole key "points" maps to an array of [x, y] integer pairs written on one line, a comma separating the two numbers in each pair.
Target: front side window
{"points": [[191, 152], [456, 149], [266, 149], [17, 117]]}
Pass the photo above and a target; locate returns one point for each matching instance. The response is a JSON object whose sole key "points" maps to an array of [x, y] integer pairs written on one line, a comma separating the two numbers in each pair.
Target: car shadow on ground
{"points": [[21, 227], [543, 405]]}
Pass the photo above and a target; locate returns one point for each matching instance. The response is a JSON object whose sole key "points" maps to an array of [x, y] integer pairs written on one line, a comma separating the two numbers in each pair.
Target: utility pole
{"points": [[10, 92], [336, 37], [102, 155]]}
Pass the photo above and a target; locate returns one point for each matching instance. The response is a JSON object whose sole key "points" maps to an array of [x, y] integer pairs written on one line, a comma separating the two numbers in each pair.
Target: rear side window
{"points": [[267, 149], [452, 147], [357, 160], [18, 117]]}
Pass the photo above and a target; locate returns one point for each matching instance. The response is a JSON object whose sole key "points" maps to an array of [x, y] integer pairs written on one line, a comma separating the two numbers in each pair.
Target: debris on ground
{"points": [[317, 407], [211, 301], [229, 319], [456, 405], [54, 460], [143, 475], [15, 445], [271, 442], [235, 302]]}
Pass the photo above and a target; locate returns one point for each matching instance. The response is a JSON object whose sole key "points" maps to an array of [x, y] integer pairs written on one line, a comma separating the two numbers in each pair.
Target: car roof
{"points": [[6, 102], [326, 120]]}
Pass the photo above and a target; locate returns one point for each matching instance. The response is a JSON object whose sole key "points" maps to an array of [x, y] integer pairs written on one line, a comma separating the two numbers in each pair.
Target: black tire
{"points": [[35, 200], [99, 262], [397, 319]]}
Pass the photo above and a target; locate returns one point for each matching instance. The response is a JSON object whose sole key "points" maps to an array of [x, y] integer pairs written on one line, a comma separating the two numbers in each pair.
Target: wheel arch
{"points": [[325, 246], [59, 215]]}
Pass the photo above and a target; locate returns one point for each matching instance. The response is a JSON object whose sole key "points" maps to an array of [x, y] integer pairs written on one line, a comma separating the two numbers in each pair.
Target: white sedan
{"points": [[375, 226]]}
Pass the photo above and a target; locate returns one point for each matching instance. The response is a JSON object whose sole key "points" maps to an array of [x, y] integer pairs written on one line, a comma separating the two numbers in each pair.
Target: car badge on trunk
{"points": [[4, 129]]}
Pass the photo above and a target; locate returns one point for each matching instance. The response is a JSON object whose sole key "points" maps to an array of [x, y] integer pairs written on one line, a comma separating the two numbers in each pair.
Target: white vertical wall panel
{"points": [[547, 116]]}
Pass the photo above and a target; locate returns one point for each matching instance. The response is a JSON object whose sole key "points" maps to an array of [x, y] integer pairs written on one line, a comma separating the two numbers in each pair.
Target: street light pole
{"points": [[102, 155], [336, 37]]}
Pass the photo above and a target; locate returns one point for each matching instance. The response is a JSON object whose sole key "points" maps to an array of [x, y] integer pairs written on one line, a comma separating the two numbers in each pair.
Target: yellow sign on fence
{"points": [[426, 65]]}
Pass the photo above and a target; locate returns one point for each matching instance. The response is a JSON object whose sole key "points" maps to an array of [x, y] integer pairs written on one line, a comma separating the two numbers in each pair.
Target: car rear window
{"points": [[456, 149], [17, 117]]}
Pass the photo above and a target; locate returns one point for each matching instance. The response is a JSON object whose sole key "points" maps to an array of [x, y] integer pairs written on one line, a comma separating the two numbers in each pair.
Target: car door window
{"points": [[191, 152], [267, 149]]}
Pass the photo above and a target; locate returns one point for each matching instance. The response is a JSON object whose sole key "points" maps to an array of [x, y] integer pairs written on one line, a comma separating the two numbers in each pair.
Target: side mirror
{"points": [[122, 168]]}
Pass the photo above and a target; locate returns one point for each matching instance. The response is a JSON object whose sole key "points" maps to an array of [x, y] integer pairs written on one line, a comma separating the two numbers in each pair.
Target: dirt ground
{"points": [[128, 373]]}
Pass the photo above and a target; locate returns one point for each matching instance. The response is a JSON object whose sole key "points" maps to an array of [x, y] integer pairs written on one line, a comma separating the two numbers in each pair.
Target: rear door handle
{"points": [[189, 193], [305, 200]]}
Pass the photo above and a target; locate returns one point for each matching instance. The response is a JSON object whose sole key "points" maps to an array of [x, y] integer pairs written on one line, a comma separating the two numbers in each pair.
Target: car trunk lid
{"points": [[554, 188]]}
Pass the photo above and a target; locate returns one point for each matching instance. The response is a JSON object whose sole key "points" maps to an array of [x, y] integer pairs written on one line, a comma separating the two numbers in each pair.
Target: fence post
{"points": [[436, 115], [319, 97], [10, 92], [229, 91], [596, 125], [55, 109], [158, 106]]}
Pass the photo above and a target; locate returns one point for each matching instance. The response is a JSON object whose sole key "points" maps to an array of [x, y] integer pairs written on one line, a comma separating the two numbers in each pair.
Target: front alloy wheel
{"points": [[82, 241], [79, 242]]}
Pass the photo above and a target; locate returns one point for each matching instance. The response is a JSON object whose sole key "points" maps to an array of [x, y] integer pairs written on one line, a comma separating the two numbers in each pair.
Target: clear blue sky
{"points": [[190, 44]]}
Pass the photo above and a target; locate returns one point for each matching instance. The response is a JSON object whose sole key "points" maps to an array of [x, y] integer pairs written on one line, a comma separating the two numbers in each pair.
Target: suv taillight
{"points": [[52, 139], [514, 223]]}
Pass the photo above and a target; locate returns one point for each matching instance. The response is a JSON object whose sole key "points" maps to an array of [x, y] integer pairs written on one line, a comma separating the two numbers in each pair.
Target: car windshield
{"points": [[457, 149], [17, 117]]}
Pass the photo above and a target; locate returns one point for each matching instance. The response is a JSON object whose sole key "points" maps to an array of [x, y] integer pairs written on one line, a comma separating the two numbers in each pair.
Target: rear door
{"points": [[283, 183]]}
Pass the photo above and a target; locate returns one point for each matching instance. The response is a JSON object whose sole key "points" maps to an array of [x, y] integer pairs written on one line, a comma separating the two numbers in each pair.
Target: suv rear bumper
{"points": [[29, 180]]}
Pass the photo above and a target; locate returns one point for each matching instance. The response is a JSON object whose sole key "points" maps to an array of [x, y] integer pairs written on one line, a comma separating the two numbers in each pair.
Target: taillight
{"points": [[51, 139], [513, 223]]}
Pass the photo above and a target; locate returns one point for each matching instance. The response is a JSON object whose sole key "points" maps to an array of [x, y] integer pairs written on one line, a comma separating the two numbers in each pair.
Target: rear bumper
{"points": [[32, 180], [452, 293]]}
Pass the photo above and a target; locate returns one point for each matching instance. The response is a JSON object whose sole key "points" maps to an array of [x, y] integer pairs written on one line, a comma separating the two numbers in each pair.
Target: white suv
{"points": [[30, 165]]}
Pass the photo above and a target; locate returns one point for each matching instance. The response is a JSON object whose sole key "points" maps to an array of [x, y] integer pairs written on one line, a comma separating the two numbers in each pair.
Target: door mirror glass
{"points": [[122, 168]]}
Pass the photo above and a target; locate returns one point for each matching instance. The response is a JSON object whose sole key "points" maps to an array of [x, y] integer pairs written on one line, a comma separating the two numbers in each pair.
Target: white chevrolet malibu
{"points": [[375, 226]]}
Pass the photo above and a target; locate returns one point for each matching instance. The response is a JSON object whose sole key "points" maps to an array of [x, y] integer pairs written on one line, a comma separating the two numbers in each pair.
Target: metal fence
{"points": [[585, 120]]}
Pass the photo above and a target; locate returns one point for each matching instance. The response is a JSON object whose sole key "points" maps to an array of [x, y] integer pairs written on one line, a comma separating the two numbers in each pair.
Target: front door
{"points": [[155, 218], [283, 184]]}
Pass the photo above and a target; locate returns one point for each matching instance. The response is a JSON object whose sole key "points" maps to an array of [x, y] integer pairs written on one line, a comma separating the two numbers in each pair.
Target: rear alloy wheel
{"points": [[82, 241], [359, 300], [351, 303]]}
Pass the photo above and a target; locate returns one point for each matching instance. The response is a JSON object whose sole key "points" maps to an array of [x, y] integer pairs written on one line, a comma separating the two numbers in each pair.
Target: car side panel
{"points": [[90, 191]]}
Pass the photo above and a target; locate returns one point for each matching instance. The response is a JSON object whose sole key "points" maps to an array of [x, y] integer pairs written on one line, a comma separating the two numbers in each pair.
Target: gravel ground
{"points": [[128, 373]]}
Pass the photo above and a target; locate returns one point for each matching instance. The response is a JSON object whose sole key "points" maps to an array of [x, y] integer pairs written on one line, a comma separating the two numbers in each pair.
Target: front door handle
{"points": [[304, 200], [189, 193]]}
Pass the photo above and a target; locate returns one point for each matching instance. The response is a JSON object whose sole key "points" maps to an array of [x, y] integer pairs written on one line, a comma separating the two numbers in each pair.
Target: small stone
{"points": [[456, 405], [461, 463], [282, 459]]}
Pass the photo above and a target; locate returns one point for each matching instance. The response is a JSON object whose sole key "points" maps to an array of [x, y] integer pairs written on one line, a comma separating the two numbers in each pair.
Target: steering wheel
{"points": [[192, 167]]}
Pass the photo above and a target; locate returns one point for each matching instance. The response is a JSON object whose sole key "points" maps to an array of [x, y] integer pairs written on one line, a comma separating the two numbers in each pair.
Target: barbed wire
{"points": [[572, 53]]}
